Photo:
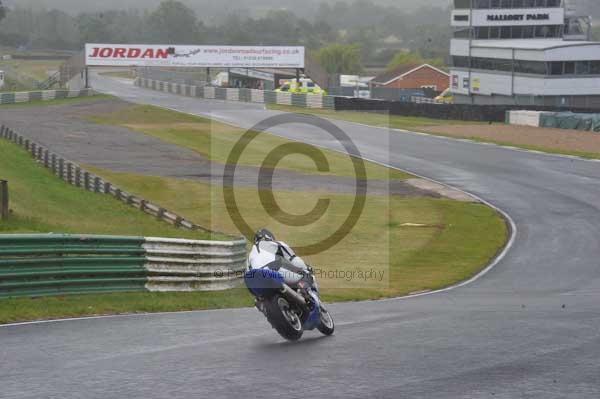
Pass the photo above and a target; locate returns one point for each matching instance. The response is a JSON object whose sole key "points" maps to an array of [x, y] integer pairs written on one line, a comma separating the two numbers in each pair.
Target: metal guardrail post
{"points": [[3, 199]]}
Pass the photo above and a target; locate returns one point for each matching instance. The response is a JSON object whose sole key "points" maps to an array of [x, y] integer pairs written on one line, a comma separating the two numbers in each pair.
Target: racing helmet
{"points": [[263, 235]]}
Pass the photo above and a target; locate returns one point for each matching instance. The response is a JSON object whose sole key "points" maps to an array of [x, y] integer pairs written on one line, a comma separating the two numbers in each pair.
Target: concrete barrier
{"points": [[314, 101], [232, 94], [283, 98], [244, 95], [188, 265], [209, 92], [45, 95], [524, 118], [257, 96]]}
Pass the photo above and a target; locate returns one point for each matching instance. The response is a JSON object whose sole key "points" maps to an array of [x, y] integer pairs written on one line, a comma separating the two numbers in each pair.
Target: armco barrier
{"points": [[58, 264], [244, 95], [38, 265], [188, 265], [45, 95]]}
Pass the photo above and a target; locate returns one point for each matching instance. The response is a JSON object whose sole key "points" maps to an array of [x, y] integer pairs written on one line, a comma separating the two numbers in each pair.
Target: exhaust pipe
{"points": [[293, 295]]}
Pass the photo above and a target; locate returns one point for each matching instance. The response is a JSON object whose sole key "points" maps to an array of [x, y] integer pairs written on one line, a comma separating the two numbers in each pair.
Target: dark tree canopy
{"points": [[359, 32], [2, 11]]}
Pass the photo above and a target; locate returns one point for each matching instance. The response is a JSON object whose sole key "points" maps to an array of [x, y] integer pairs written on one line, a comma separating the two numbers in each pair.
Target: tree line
{"points": [[367, 33]]}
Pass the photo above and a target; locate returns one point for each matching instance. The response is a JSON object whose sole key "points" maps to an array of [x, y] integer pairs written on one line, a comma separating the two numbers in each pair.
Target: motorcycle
{"points": [[287, 309]]}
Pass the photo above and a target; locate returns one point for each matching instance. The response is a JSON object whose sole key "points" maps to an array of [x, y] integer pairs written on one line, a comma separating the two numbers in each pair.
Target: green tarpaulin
{"points": [[570, 120]]}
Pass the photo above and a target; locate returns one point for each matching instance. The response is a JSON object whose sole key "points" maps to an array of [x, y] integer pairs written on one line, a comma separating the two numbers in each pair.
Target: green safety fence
{"points": [[7, 98], [329, 102], [245, 95], [270, 97], [53, 264], [299, 100]]}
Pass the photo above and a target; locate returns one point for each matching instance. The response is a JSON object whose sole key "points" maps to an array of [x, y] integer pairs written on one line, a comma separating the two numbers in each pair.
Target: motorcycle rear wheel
{"points": [[283, 318]]}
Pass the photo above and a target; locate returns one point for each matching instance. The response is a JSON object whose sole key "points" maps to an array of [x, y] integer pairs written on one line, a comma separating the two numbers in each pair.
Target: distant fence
{"points": [[42, 95], [58, 264], [465, 112], [245, 95], [4, 209]]}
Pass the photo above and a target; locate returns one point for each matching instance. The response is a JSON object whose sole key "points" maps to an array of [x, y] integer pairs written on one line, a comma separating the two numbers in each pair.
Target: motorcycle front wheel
{"points": [[283, 318], [326, 326]]}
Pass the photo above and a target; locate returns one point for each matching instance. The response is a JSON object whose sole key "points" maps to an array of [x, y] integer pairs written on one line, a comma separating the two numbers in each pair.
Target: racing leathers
{"points": [[277, 255]]}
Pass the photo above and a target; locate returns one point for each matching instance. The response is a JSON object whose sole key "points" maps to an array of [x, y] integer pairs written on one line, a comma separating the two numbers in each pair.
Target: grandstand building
{"points": [[524, 52]]}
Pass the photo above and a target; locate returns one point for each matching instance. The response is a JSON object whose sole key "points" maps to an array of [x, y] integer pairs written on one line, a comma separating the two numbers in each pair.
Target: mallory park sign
{"points": [[518, 17], [522, 17], [194, 56]]}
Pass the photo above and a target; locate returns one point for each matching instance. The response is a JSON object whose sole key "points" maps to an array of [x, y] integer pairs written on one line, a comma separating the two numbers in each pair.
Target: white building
{"points": [[526, 52]]}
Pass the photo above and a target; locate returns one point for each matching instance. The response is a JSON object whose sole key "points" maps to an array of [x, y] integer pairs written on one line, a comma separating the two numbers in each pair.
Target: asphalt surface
{"points": [[529, 328]]}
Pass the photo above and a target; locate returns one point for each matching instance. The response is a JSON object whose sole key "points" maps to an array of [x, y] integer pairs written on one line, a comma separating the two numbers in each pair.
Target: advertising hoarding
{"points": [[194, 56]]}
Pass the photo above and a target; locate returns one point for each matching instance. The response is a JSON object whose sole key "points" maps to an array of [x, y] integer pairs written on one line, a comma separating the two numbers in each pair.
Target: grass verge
{"points": [[380, 119], [540, 148], [418, 124]]}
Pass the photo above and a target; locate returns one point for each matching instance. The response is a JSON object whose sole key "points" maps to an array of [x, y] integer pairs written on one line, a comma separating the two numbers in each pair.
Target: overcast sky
{"points": [[260, 6], [75, 6]]}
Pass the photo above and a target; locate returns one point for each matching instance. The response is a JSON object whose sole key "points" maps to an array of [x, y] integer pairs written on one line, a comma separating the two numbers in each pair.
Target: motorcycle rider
{"points": [[277, 255]]}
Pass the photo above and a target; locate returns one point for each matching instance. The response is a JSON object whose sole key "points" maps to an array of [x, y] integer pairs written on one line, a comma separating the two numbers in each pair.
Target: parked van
{"points": [[446, 97], [306, 86]]}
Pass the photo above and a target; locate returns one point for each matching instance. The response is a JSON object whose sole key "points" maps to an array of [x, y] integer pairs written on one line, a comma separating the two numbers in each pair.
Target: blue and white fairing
{"points": [[264, 283]]}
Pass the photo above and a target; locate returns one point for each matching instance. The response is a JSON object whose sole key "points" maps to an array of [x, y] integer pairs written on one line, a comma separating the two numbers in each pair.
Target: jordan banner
{"points": [[194, 56]]}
